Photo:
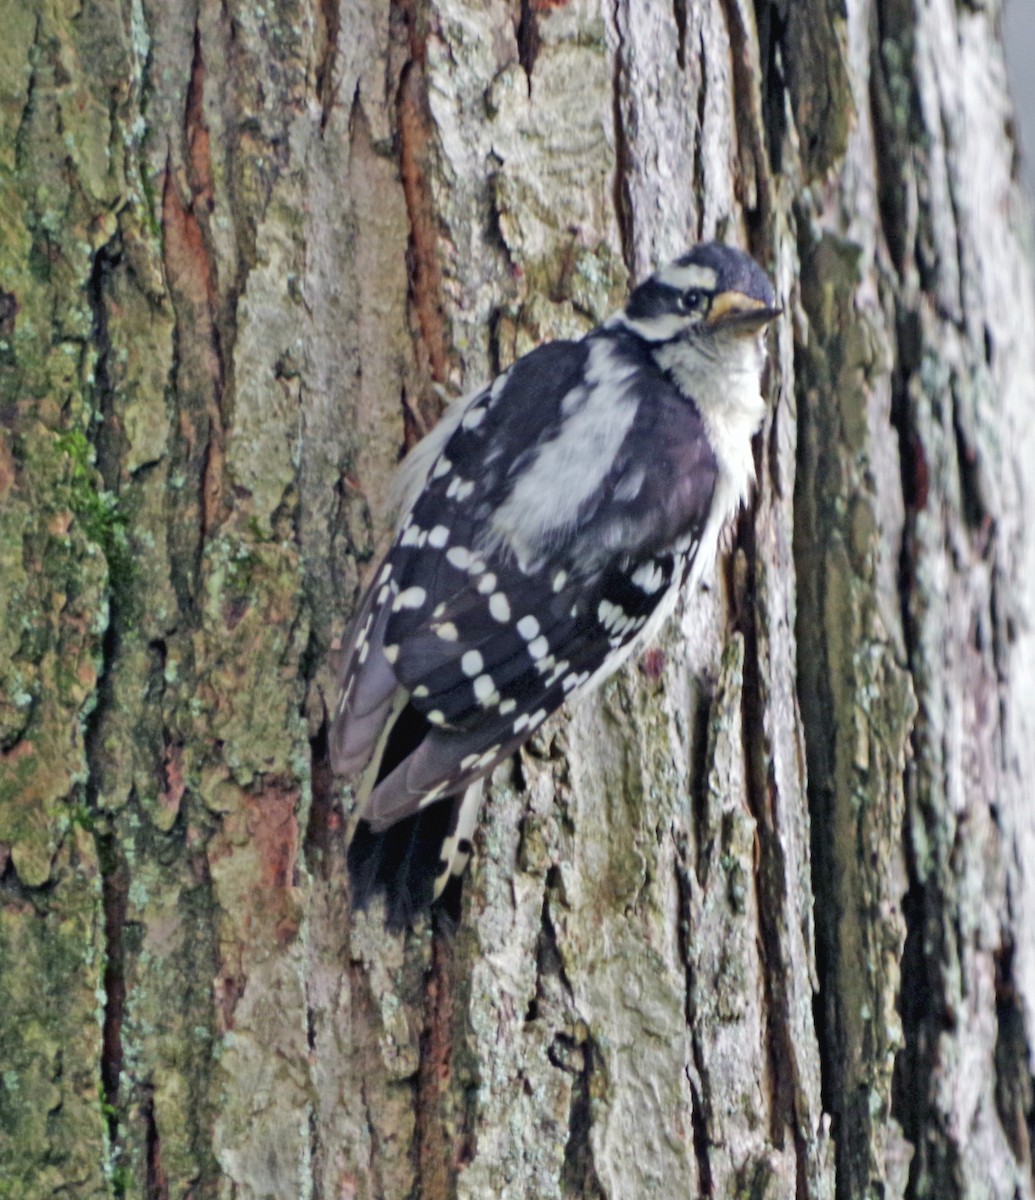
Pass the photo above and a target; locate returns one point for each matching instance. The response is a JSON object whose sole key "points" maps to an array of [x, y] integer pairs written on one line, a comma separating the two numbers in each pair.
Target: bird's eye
{"points": [[692, 300]]}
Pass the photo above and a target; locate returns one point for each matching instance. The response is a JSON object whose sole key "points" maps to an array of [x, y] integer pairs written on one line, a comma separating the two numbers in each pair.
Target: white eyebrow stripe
{"points": [[689, 276]]}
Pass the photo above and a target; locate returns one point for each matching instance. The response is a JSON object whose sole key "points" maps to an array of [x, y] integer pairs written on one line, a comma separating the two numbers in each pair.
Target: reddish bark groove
{"points": [[416, 134], [435, 1151]]}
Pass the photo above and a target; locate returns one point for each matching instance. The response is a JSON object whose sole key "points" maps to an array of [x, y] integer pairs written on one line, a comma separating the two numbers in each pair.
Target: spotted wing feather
{"points": [[482, 645], [490, 439]]}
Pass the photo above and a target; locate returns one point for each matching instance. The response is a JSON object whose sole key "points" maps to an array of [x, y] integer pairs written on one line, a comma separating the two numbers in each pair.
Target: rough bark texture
{"points": [[755, 921]]}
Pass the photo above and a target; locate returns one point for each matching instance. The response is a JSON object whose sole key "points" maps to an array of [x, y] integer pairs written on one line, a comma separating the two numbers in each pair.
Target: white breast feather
{"points": [[723, 381]]}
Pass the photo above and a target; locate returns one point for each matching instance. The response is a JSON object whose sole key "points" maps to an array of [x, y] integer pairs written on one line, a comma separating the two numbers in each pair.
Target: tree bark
{"points": [[755, 921]]}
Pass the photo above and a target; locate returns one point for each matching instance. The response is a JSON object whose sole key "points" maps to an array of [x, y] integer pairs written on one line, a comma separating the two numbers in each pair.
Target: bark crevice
{"points": [[622, 194]]}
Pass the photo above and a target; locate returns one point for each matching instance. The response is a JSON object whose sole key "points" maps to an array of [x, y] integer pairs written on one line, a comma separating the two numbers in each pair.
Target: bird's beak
{"points": [[740, 313]]}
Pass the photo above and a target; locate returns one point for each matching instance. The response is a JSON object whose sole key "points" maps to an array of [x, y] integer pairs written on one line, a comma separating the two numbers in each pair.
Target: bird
{"points": [[547, 526]]}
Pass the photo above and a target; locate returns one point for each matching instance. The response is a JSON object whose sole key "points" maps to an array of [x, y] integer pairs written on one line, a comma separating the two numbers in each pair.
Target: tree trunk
{"points": [[752, 922]]}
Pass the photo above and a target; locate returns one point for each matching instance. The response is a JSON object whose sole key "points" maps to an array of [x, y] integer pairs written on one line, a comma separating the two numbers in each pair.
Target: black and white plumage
{"points": [[548, 524]]}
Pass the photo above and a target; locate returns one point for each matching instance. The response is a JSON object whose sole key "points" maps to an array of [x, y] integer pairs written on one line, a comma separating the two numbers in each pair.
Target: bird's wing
{"points": [[465, 643]]}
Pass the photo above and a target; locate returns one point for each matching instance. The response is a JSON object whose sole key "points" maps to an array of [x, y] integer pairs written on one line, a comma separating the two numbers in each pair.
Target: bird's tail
{"points": [[413, 862]]}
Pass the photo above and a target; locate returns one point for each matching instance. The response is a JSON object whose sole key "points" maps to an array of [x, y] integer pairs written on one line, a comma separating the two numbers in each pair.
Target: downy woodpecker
{"points": [[547, 526]]}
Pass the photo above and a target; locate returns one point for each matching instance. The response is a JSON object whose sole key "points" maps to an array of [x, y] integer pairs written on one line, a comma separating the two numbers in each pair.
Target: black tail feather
{"points": [[402, 863]]}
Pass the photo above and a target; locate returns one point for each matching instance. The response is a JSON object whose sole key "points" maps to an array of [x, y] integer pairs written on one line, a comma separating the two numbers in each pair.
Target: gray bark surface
{"points": [[756, 920]]}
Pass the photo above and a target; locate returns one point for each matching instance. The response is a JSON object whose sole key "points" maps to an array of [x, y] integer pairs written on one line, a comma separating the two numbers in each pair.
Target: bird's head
{"points": [[715, 292]]}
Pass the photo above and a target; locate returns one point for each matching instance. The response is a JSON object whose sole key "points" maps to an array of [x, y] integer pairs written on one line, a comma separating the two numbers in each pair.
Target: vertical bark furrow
{"points": [[623, 203], [753, 174], [436, 1150], [416, 133], [527, 33], [848, 637], [578, 1178]]}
